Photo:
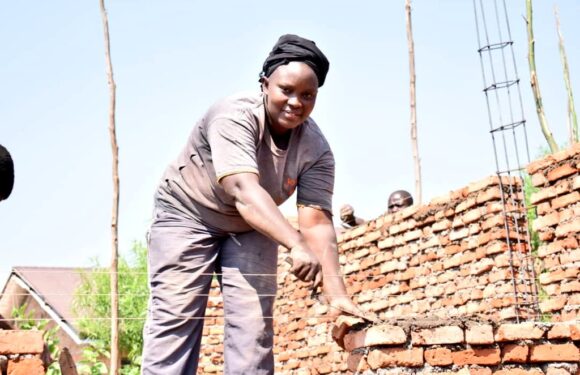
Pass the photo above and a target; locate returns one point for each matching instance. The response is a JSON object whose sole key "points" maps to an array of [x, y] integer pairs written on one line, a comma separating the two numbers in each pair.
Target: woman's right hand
{"points": [[305, 265]]}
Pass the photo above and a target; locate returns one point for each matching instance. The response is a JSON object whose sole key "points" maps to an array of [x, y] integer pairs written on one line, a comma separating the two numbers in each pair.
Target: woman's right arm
{"points": [[259, 210]]}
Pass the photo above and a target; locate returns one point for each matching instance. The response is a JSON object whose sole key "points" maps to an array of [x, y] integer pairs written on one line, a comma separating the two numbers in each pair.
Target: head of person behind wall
{"points": [[6, 173], [290, 78], [398, 200]]}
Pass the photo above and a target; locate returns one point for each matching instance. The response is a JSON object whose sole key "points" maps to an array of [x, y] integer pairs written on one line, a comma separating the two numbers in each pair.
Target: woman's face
{"points": [[290, 95]]}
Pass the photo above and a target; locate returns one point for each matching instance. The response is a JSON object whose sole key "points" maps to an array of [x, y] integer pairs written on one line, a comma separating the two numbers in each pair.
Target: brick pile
{"points": [[558, 225], [464, 347], [21, 352]]}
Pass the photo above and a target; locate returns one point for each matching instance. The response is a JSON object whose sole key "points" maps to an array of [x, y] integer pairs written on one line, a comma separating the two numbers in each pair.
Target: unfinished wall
{"points": [[449, 258], [558, 225], [464, 347], [21, 352]]}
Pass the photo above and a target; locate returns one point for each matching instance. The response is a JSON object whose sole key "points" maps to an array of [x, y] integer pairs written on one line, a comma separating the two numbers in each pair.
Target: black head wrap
{"points": [[294, 48], [6, 173]]}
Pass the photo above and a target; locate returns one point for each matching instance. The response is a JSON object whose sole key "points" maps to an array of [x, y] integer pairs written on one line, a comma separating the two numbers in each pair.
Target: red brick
{"points": [[479, 334], [556, 371], [522, 331], [554, 353], [437, 336], [570, 257], [560, 331], [571, 227], [515, 353], [519, 371], [552, 277], [546, 221], [561, 171], [389, 357], [488, 356], [553, 304], [543, 195], [565, 200], [356, 362], [538, 179], [438, 357], [21, 342], [26, 366], [383, 334]]}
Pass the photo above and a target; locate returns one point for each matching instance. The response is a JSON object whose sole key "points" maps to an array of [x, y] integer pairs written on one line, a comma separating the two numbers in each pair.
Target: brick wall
{"points": [[449, 258], [558, 225], [21, 352], [464, 347]]}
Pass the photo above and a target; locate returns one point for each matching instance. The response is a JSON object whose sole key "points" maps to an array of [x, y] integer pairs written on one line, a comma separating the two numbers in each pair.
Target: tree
{"points": [[534, 80], [572, 119], [93, 306]]}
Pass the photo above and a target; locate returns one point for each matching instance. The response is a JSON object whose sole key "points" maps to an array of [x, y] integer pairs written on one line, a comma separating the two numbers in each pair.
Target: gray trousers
{"points": [[183, 258]]}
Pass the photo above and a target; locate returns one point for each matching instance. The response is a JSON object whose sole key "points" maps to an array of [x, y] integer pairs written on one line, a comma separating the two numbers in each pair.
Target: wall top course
{"points": [[549, 160]]}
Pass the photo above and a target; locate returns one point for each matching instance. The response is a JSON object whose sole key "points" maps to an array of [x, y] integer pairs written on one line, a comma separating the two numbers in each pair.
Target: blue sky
{"points": [[172, 59]]}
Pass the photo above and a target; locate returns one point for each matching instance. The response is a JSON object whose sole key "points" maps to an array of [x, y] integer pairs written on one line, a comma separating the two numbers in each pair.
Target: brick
{"points": [[570, 257], [571, 227], [515, 332], [437, 336], [515, 353], [557, 371], [438, 357], [479, 334], [561, 171], [543, 195], [539, 179], [356, 362], [21, 342], [546, 221], [26, 366], [487, 356], [390, 357], [565, 200], [519, 371], [560, 331], [377, 335], [552, 277], [554, 353], [553, 304], [570, 287]]}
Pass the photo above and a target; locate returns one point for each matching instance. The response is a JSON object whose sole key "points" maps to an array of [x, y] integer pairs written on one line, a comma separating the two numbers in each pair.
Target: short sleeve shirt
{"points": [[232, 137]]}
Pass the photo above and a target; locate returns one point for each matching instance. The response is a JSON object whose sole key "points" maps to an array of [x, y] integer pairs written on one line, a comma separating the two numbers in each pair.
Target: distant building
{"points": [[48, 293]]}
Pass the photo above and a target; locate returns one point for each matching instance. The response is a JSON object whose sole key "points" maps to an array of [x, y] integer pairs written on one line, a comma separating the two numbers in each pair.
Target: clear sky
{"points": [[172, 59]]}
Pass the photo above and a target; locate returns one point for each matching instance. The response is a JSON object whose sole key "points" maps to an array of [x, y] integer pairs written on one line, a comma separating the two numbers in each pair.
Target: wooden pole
{"points": [[115, 360], [414, 141]]}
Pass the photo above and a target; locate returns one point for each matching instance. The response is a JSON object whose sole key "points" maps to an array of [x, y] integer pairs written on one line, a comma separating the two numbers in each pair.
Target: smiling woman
{"points": [[216, 212], [6, 173]]}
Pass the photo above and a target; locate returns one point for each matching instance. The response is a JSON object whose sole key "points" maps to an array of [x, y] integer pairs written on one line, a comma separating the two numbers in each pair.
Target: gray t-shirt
{"points": [[232, 137]]}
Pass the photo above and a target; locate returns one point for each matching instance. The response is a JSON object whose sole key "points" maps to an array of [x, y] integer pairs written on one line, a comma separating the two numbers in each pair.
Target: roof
{"points": [[54, 285]]}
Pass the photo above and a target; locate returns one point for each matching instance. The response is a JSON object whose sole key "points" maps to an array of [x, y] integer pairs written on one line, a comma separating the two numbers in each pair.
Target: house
{"points": [[48, 294]]}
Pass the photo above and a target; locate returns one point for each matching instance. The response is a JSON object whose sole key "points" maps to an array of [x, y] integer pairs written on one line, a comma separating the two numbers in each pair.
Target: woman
{"points": [[216, 211]]}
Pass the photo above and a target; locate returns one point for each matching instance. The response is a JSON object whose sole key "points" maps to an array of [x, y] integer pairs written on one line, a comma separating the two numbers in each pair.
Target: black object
{"points": [[6, 173]]}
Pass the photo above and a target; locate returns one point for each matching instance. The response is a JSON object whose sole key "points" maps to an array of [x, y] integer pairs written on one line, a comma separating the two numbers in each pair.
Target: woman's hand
{"points": [[305, 265], [339, 305]]}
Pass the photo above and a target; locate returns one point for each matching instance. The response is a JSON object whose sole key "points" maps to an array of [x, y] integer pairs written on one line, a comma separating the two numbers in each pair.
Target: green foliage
{"points": [[92, 303], [91, 363], [25, 320]]}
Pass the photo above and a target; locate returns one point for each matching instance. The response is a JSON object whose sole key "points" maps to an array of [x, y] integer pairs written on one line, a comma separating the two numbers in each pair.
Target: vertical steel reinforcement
{"points": [[507, 126]]}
